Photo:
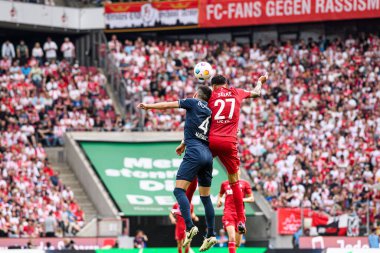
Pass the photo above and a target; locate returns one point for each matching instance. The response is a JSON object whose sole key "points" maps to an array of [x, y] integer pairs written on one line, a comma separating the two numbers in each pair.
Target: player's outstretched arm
{"points": [[256, 92], [159, 106]]}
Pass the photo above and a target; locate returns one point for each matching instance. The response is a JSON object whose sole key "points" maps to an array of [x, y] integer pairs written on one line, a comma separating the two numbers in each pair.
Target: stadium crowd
{"points": [[41, 98], [313, 139]]}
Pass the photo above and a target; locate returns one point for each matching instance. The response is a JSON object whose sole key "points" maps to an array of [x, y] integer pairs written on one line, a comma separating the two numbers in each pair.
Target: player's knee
{"points": [[233, 178], [204, 191]]}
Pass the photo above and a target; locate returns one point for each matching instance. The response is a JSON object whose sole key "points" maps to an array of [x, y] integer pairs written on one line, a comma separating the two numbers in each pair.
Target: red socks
{"points": [[180, 250], [231, 247], [238, 199], [192, 187], [187, 250]]}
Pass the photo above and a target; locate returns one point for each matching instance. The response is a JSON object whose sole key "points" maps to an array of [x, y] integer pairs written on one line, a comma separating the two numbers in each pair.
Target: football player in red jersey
{"points": [[180, 226], [225, 105], [230, 218]]}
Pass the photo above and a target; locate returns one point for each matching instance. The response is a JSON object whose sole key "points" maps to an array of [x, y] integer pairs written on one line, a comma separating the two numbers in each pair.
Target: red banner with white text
{"points": [[289, 220], [137, 15], [225, 13]]}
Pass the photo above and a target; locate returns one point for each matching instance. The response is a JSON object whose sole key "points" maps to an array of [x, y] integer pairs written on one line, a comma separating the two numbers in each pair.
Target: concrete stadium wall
{"points": [[52, 16], [87, 177]]}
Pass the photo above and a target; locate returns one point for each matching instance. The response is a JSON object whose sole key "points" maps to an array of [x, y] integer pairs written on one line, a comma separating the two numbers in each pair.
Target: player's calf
{"points": [[184, 206], [179, 246], [232, 244], [231, 247]]}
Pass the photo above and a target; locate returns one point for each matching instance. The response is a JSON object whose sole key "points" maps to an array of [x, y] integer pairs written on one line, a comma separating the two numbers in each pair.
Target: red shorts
{"points": [[180, 232], [226, 151], [230, 219]]}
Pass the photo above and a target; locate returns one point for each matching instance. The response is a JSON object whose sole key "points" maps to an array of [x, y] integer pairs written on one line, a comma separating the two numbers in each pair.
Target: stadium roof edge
{"points": [[51, 17]]}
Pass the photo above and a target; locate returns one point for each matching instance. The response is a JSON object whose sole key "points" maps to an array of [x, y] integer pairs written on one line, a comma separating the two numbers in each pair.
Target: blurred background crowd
{"points": [[313, 139], [42, 97]]}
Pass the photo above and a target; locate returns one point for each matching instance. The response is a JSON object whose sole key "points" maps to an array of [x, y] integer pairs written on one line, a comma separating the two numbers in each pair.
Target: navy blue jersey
{"points": [[197, 123]]}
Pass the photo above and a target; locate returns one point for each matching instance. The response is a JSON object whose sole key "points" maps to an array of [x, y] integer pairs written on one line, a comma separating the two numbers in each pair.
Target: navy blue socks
{"points": [[184, 206], [210, 215]]}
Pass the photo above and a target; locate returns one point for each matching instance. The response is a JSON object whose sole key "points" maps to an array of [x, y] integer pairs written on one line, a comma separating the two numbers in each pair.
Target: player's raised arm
{"points": [[256, 92], [159, 106]]}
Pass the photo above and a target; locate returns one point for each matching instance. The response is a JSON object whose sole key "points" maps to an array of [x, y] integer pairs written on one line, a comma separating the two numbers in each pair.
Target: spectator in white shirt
{"points": [[28, 130], [50, 48], [58, 132], [8, 50], [68, 50], [114, 44], [37, 52]]}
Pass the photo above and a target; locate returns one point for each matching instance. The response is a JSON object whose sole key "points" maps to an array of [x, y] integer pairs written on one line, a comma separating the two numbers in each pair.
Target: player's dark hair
{"points": [[218, 80], [204, 92]]}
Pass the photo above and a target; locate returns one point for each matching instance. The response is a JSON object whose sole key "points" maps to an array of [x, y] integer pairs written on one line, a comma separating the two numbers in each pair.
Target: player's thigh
{"points": [[229, 220], [183, 184], [204, 191], [189, 167], [228, 155], [180, 233], [230, 163], [231, 233]]}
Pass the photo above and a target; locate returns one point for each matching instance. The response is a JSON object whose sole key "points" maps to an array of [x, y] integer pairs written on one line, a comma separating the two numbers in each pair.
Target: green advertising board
{"points": [[174, 250], [140, 177]]}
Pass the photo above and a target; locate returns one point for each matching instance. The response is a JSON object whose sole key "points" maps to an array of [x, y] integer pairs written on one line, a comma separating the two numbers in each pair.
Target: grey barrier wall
{"points": [[87, 177]]}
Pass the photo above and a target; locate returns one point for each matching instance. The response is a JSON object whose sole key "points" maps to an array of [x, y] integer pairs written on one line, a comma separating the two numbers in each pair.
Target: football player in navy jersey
{"points": [[197, 162]]}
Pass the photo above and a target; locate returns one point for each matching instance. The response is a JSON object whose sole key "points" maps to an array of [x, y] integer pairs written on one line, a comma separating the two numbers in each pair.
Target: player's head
{"points": [[218, 81], [203, 93]]}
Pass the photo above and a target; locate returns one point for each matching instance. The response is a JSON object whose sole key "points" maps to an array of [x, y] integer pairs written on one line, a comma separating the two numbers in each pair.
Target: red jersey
{"points": [[229, 203], [177, 213], [225, 106]]}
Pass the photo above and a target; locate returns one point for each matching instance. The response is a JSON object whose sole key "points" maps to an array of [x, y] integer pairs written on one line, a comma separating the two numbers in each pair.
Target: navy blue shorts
{"points": [[197, 162]]}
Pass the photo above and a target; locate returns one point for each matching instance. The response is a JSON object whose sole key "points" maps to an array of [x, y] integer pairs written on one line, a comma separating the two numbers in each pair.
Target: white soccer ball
{"points": [[203, 71]]}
